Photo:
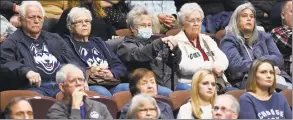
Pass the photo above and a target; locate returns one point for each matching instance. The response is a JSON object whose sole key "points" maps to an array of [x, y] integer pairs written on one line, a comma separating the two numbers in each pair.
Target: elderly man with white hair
{"points": [[226, 107], [199, 51], [75, 104], [30, 57]]}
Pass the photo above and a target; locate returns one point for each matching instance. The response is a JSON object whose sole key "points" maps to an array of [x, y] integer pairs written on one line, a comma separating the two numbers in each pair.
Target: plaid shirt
{"points": [[283, 38]]}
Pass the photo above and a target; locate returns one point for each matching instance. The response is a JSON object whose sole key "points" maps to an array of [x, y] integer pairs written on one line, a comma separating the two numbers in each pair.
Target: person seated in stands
{"points": [[75, 104], [142, 81], [93, 52], [18, 108], [6, 28], [283, 36], [165, 13], [261, 101], [203, 93], [100, 28], [144, 50], [243, 43], [226, 107], [143, 107], [199, 51], [30, 57]]}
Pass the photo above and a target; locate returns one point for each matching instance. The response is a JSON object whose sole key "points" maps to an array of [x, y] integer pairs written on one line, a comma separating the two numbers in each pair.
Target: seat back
{"points": [[178, 98], [123, 32], [122, 98], [288, 96], [164, 99], [60, 95], [173, 32], [236, 93], [41, 105], [114, 43], [109, 102], [6, 96]]}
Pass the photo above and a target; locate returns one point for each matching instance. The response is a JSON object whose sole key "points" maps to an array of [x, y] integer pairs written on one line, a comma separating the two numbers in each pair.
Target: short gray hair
{"points": [[138, 101], [25, 4], [135, 15], [235, 107], [232, 27], [62, 73], [187, 9], [76, 12]]}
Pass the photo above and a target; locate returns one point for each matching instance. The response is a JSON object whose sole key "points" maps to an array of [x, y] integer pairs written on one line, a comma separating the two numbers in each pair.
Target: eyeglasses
{"points": [[145, 110], [80, 22], [198, 20], [223, 109]]}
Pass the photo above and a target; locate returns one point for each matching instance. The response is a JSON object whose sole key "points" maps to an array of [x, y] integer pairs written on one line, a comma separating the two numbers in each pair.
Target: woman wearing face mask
{"points": [[260, 101], [203, 93], [243, 43], [143, 50]]}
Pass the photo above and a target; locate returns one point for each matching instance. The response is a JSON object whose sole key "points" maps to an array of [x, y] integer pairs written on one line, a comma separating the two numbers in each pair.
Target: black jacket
{"points": [[16, 58], [115, 65], [152, 54]]}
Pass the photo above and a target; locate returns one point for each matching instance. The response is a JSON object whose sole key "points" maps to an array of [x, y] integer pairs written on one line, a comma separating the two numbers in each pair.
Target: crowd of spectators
{"points": [[52, 47]]}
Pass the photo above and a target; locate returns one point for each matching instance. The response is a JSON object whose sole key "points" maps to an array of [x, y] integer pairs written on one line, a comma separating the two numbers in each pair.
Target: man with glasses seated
{"points": [[75, 104], [226, 107]]}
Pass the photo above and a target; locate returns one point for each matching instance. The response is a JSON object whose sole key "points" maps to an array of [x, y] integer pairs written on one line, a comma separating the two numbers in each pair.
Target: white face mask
{"points": [[145, 33]]}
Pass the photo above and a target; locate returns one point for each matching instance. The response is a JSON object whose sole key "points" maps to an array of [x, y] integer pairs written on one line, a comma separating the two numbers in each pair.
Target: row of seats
{"points": [[114, 104]]}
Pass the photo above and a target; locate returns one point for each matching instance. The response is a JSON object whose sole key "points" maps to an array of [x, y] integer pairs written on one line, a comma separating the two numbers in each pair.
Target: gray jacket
{"points": [[93, 110]]}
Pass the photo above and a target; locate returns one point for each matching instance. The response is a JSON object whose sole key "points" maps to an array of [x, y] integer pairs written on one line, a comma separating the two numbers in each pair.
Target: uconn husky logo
{"points": [[92, 58], [44, 60]]}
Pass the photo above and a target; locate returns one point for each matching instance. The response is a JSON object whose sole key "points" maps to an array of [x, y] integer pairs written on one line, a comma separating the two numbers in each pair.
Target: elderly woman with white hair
{"points": [[143, 107], [93, 53], [199, 51], [243, 43], [144, 50]]}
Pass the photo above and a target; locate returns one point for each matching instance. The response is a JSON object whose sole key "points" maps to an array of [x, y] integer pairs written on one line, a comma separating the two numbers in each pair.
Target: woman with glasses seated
{"points": [[143, 107], [144, 50], [199, 51], [203, 93], [93, 52]]}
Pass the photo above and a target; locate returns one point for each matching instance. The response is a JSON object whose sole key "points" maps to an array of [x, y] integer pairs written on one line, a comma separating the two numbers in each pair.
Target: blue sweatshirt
{"points": [[274, 108]]}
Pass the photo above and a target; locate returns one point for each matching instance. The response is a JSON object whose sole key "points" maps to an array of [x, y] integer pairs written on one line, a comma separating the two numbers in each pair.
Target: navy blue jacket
{"points": [[16, 58], [115, 65]]}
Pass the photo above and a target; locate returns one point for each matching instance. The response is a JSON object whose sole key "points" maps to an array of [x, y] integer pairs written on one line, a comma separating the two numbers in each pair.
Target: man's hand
{"points": [[107, 73], [77, 98], [34, 78]]}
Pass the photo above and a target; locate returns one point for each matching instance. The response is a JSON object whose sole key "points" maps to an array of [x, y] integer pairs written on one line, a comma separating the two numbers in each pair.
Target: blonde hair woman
{"points": [[203, 93]]}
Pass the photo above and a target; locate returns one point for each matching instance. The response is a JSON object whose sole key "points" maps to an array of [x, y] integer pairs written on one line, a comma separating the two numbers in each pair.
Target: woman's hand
{"points": [[218, 70], [171, 42]]}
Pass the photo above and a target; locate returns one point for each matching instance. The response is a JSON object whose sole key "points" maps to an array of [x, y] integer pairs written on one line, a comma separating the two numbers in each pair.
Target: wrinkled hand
{"points": [[77, 98], [14, 20], [34, 78], [170, 41], [277, 70], [218, 70], [167, 20], [100, 71]]}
